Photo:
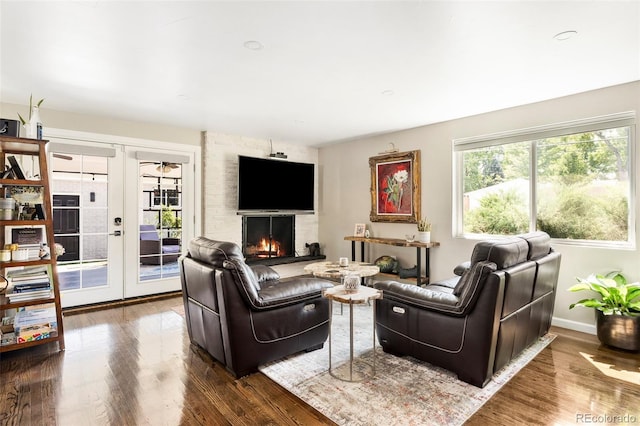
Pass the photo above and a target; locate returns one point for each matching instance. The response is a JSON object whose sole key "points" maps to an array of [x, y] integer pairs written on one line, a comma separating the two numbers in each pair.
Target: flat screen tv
{"points": [[269, 185]]}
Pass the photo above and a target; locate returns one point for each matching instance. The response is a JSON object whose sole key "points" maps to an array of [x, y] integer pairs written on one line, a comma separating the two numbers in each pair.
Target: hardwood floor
{"points": [[133, 365]]}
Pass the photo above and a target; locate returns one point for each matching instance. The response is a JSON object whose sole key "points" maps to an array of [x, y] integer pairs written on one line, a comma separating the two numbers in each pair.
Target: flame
{"points": [[263, 246]]}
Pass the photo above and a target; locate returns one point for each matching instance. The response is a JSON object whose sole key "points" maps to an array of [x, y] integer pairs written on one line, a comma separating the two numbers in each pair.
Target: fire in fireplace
{"points": [[268, 236], [265, 248]]}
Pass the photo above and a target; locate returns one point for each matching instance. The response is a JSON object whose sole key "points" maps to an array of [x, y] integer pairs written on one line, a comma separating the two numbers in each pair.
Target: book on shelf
{"points": [[34, 318], [26, 271], [26, 281], [26, 288], [26, 297], [20, 287], [35, 324]]}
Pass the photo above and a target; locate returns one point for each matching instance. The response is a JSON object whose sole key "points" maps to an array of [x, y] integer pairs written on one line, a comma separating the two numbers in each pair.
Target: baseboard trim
{"points": [[117, 303], [574, 325]]}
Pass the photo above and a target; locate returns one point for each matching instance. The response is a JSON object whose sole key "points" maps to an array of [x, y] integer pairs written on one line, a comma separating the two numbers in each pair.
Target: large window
{"points": [[571, 181]]}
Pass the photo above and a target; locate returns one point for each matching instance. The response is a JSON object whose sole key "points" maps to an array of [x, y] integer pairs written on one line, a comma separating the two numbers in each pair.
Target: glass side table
{"points": [[364, 295]]}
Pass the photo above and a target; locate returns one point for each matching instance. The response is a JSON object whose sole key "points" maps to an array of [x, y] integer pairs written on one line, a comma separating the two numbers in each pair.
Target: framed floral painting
{"points": [[395, 187]]}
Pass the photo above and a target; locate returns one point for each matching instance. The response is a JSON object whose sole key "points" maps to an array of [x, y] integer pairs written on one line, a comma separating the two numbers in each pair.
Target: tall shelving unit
{"points": [[25, 148]]}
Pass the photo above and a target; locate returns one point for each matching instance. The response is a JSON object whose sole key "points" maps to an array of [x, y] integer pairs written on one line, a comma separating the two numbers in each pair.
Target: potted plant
{"points": [[617, 308], [424, 230], [31, 125]]}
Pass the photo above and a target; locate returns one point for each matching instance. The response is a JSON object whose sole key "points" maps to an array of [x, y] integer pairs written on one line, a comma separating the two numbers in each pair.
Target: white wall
{"points": [[220, 185], [104, 125], [345, 191]]}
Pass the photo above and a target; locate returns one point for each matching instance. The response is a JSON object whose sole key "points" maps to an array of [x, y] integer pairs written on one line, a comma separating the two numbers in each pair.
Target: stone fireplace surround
{"points": [[221, 219]]}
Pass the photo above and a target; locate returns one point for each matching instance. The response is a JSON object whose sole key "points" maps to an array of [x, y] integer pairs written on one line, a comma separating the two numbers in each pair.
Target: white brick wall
{"points": [[220, 174]]}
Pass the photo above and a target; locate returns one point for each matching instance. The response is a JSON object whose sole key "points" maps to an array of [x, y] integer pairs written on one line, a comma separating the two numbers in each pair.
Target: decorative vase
{"points": [[619, 331], [27, 130], [35, 124], [351, 283], [423, 236]]}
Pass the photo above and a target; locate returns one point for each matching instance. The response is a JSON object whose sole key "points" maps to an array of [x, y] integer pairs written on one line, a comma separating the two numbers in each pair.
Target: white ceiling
{"points": [[325, 69]]}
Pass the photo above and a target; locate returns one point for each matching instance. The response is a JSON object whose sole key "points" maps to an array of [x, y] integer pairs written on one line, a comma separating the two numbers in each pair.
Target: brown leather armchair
{"points": [[246, 316], [476, 323]]}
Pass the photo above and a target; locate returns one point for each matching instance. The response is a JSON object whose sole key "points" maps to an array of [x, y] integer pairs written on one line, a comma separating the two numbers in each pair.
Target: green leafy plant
{"points": [[617, 296], [168, 217], [424, 225], [22, 120]]}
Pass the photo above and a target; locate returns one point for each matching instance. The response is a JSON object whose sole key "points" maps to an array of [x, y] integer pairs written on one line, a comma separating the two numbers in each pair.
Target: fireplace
{"points": [[267, 237]]}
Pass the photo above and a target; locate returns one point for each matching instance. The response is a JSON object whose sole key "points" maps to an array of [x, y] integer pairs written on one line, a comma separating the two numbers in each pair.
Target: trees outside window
{"points": [[574, 185]]}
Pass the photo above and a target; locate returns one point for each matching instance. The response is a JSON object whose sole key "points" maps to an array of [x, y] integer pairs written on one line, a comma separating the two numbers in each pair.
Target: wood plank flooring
{"points": [[133, 365]]}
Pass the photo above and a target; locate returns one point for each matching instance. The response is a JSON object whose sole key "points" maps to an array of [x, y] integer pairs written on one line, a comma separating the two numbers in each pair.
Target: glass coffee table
{"points": [[363, 295]]}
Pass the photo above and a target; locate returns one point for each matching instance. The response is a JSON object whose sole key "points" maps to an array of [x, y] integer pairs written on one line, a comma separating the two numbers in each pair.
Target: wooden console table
{"points": [[398, 243]]}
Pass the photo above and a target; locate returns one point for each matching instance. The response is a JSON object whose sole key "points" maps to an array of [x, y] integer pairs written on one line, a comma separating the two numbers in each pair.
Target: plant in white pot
{"points": [[617, 308], [424, 231], [33, 126]]}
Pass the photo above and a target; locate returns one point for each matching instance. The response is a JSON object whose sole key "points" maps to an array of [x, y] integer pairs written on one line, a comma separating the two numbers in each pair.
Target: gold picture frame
{"points": [[395, 187]]}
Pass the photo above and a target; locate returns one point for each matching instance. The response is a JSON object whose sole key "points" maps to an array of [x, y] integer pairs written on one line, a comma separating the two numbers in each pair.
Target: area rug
{"points": [[404, 391]]}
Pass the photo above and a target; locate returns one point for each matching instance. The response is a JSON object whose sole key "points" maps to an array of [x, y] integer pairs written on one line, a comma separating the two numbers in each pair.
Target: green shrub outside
{"points": [[571, 211]]}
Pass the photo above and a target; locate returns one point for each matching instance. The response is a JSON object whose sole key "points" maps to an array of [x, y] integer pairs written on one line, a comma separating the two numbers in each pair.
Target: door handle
{"points": [[116, 233]]}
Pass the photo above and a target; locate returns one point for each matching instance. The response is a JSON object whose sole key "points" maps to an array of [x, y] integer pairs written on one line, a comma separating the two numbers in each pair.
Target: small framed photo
{"points": [[25, 236], [359, 230]]}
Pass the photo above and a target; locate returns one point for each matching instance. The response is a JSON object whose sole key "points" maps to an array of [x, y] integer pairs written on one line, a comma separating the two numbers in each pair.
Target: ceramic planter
{"points": [[619, 331], [423, 237]]}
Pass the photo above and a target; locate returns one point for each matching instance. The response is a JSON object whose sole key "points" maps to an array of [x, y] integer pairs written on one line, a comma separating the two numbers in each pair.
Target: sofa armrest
{"points": [[264, 273], [417, 296], [292, 290], [459, 302], [462, 268]]}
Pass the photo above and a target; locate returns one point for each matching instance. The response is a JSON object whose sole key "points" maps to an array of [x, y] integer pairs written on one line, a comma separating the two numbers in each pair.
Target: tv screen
{"points": [[274, 185]]}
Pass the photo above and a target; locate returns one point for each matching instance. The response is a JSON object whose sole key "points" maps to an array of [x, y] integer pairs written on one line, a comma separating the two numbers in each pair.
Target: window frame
{"points": [[531, 134]]}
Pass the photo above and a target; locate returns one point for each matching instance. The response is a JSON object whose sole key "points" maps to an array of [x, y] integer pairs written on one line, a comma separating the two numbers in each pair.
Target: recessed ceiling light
{"points": [[253, 45], [387, 92], [565, 35]]}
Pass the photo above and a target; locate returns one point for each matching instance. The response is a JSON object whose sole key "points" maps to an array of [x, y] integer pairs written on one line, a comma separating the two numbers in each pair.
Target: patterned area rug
{"points": [[404, 390]]}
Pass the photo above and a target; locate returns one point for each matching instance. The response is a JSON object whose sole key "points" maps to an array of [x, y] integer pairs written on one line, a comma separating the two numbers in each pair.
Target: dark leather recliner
{"points": [[476, 323], [246, 316]]}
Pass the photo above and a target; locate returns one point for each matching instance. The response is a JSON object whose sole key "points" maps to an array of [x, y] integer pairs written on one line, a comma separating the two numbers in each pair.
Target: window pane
{"points": [[583, 185], [161, 219], [496, 189]]}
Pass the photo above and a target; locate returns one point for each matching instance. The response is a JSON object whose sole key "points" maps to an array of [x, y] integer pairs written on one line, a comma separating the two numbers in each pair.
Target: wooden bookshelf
{"points": [[36, 149]]}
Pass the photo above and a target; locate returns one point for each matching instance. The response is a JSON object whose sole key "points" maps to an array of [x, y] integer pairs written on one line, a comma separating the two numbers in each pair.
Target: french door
{"points": [[121, 218]]}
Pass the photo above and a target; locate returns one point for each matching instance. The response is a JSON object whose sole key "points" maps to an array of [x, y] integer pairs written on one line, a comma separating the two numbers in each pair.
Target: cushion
{"points": [[170, 249], [539, 244], [504, 253], [149, 233], [214, 252]]}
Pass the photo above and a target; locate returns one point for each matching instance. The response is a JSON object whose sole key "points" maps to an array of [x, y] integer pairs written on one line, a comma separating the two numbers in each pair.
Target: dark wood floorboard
{"points": [[133, 365]]}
